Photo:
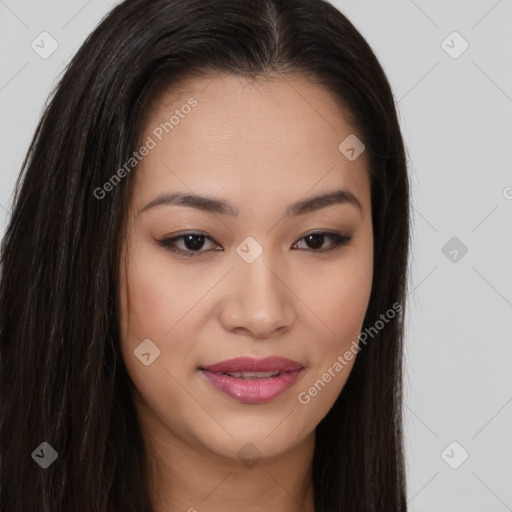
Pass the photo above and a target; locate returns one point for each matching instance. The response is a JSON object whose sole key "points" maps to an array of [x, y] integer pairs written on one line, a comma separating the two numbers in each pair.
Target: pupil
{"points": [[315, 240], [191, 245]]}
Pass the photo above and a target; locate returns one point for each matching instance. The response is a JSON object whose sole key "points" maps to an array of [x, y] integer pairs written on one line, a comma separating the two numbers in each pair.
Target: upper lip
{"points": [[250, 364]]}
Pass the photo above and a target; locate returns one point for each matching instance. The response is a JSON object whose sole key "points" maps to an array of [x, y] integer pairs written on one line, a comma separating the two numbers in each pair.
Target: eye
{"points": [[316, 240], [194, 242]]}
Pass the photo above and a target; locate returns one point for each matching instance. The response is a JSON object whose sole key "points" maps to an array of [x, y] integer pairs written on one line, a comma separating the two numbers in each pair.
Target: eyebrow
{"points": [[223, 207]]}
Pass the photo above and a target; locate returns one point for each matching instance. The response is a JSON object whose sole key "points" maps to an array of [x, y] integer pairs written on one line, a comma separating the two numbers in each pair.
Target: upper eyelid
{"points": [[192, 233]]}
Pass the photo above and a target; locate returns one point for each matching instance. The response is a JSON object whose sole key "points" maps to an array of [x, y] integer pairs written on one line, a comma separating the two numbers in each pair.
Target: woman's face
{"points": [[254, 281]]}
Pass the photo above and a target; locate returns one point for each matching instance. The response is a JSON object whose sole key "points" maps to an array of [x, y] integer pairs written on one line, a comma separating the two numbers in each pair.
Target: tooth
{"points": [[252, 375]]}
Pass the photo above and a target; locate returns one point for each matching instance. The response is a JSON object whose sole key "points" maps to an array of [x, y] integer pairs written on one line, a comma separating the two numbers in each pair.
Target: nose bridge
{"points": [[260, 281], [261, 302]]}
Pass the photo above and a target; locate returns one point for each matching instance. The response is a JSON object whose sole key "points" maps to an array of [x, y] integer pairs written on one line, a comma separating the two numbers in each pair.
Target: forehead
{"points": [[271, 139]]}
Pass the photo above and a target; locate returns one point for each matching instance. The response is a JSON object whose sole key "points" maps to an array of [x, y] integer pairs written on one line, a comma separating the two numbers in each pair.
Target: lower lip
{"points": [[252, 391]]}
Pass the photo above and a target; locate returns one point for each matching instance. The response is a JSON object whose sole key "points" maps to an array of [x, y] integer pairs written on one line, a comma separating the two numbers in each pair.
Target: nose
{"points": [[260, 300]]}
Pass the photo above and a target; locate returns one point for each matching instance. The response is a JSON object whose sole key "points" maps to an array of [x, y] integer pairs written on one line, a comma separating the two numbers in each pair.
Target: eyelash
{"points": [[338, 240]]}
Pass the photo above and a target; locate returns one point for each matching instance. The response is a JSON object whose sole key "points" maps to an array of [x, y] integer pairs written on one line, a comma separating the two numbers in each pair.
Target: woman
{"points": [[203, 277]]}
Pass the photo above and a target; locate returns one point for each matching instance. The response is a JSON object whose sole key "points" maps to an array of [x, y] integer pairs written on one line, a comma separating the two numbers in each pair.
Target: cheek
{"points": [[156, 296], [350, 303], [152, 302], [158, 300], [339, 301], [338, 297], [151, 309], [146, 308]]}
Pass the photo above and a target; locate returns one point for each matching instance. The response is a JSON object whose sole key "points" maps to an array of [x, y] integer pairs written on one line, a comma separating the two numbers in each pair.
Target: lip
{"points": [[250, 364], [253, 391]]}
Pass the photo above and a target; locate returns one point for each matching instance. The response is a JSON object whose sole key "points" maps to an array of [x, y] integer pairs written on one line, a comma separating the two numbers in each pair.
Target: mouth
{"points": [[252, 375], [250, 380]]}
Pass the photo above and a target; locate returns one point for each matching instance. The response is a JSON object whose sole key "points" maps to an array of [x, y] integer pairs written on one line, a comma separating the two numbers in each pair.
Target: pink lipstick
{"points": [[253, 381]]}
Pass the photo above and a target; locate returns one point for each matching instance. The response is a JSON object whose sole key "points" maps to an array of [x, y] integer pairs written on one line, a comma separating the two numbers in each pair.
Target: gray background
{"points": [[456, 116]]}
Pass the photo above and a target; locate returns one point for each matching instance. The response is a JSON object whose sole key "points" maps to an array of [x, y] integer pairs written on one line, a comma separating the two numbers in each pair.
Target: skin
{"points": [[260, 146]]}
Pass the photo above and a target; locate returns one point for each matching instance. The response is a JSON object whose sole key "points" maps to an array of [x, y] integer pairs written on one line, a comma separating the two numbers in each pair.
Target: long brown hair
{"points": [[62, 379]]}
